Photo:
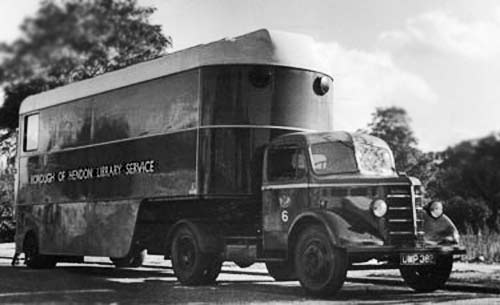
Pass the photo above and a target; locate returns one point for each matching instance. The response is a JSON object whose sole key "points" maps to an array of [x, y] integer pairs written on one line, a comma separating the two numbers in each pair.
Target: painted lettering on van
{"points": [[99, 172]]}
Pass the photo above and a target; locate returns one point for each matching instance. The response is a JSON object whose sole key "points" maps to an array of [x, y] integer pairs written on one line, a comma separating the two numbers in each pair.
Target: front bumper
{"points": [[377, 251], [388, 257]]}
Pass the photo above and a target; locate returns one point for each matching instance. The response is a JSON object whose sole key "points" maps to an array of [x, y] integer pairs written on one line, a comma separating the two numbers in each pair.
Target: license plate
{"points": [[413, 259]]}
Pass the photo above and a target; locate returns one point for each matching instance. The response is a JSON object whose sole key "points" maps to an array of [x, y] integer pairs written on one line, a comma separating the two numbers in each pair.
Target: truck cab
{"points": [[332, 200]]}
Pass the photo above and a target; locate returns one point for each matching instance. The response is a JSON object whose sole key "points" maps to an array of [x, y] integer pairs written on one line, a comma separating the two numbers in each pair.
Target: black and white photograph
{"points": [[249, 152]]}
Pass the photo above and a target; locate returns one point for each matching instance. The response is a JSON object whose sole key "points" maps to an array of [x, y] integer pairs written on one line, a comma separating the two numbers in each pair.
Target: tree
{"points": [[7, 154], [7, 227], [392, 124], [67, 41], [471, 170], [465, 176], [71, 40], [468, 215]]}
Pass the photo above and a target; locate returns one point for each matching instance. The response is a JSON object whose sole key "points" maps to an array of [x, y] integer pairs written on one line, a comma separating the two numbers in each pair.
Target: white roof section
{"points": [[260, 47]]}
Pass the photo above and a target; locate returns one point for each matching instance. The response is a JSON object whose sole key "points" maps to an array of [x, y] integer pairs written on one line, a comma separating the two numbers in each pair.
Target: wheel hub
{"points": [[186, 253], [315, 261]]}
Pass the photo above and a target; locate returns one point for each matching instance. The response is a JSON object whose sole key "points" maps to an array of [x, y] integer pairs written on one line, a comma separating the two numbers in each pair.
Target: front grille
{"points": [[403, 218]]}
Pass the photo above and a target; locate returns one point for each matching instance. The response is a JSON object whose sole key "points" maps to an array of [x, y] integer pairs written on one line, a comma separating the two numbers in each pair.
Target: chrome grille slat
{"points": [[398, 196], [405, 232], [400, 208]]}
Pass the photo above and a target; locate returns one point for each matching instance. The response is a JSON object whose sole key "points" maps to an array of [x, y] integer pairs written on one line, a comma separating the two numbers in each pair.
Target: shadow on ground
{"points": [[98, 284]]}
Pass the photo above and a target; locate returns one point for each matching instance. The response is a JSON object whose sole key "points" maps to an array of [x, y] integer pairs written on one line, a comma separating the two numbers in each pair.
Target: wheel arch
{"points": [[326, 220], [210, 239], [26, 227]]}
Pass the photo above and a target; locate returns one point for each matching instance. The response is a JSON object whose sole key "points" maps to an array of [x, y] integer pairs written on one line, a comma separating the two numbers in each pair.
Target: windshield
{"points": [[374, 160], [333, 158], [361, 156]]}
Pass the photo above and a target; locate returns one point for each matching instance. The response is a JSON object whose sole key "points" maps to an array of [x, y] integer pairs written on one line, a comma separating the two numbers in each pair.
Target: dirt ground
{"points": [[98, 282], [463, 272], [474, 273]]}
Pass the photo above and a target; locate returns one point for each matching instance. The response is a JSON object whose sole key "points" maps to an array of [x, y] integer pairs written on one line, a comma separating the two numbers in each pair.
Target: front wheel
{"points": [[321, 267], [190, 264], [428, 278]]}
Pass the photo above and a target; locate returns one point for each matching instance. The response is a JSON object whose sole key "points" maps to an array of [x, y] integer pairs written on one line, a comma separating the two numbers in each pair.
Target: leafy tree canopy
{"points": [[466, 176], [71, 40], [392, 124], [471, 170]]}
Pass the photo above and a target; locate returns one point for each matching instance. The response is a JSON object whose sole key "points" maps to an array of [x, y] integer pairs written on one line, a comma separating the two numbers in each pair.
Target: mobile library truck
{"points": [[220, 152]]}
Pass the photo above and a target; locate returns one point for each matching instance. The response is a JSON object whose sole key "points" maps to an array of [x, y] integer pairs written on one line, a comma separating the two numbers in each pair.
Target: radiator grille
{"points": [[404, 216]]}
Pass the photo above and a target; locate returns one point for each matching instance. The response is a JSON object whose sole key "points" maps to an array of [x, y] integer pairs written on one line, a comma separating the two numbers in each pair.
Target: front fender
{"points": [[339, 229], [329, 222], [440, 231]]}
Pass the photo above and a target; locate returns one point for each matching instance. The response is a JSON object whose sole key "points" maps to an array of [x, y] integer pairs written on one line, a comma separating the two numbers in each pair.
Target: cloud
{"points": [[365, 80], [441, 32]]}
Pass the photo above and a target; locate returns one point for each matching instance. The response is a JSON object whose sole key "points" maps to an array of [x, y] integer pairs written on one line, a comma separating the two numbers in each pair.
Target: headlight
{"points": [[379, 207], [436, 209]]}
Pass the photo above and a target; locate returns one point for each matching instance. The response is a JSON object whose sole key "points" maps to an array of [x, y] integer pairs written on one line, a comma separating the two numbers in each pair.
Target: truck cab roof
{"points": [[307, 138]]}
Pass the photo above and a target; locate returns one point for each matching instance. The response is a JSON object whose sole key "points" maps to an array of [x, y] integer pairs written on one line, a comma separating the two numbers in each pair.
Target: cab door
{"points": [[284, 194]]}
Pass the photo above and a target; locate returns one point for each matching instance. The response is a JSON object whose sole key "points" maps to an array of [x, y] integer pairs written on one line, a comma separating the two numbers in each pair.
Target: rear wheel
{"points": [[281, 271], [133, 259], [212, 270], [190, 264], [33, 258], [321, 268], [428, 278]]}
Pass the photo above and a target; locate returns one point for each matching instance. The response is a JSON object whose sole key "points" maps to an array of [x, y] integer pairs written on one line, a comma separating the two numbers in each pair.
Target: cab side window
{"points": [[31, 130], [286, 164]]}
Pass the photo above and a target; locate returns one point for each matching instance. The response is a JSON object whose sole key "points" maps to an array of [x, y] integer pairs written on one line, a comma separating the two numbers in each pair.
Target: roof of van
{"points": [[260, 47], [347, 137]]}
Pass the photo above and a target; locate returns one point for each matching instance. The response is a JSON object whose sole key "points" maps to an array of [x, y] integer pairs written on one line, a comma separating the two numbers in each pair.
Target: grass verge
{"points": [[482, 247]]}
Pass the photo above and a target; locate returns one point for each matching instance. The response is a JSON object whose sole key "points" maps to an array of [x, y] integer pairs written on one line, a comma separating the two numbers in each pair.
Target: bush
{"points": [[467, 214], [482, 246], [7, 225]]}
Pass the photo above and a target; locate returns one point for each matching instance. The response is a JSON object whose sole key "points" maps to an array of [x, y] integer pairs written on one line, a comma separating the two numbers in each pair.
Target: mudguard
{"points": [[339, 229], [440, 231], [24, 225], [209, 239], [328, 220]]}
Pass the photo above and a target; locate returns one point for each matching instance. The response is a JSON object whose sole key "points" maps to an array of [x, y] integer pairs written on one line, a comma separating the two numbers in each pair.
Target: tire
{"points": [[281, 271], [134, 259], [190, 264], [243, 264], [321, 268], [32, 258], [213, 269], [428, 278]]}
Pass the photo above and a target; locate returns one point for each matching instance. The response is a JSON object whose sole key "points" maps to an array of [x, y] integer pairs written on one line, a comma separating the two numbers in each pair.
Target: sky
{"points": [[438, 59]]}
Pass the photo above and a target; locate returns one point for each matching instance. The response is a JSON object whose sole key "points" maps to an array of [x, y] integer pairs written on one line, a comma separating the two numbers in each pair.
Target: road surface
{"points": [[98, 282]]}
